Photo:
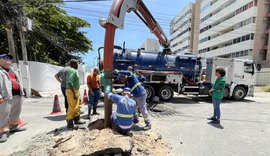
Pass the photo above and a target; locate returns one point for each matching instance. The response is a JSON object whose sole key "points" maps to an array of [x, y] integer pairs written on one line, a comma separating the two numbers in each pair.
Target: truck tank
{"points": [[188, 65]]}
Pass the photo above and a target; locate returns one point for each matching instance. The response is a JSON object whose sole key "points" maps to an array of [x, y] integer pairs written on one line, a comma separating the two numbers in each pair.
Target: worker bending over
{"points": [[125, 112], [139, 94]]}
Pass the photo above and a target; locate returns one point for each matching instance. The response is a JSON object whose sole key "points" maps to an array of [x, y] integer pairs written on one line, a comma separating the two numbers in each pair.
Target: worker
{"points": [[217, 94], [61, 76], [93, 83], [138, 91], [125, 112], [140, 76], [130, 68], [11, 98], [73, 96]]}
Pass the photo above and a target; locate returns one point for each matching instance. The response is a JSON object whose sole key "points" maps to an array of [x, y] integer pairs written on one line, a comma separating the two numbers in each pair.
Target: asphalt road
{"points": [[244, 129]]}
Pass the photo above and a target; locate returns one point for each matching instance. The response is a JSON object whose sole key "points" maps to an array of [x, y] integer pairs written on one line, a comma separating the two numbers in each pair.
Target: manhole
{"points": [[162, 110]]}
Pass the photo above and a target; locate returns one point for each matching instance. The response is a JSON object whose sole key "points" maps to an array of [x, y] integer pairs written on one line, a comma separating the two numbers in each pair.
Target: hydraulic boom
{"points": [[116, 20]]}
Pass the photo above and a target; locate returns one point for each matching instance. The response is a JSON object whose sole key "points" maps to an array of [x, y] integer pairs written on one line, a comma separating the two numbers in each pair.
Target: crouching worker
{"points": [[125, 112]]}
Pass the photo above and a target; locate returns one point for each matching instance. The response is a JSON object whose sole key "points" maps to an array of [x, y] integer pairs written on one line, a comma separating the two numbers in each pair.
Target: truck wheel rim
{"points": [[166, 94], [148, 92], [239, 94]]}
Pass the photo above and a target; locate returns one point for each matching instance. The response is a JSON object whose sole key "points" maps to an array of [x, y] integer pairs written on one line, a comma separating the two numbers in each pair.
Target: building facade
{"points": [[151, 45], [235, 29], [184, 30]]}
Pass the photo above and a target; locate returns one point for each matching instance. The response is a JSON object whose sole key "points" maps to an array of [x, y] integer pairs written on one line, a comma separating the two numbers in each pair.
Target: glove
{"points": [[107, 92], [107, 89]]}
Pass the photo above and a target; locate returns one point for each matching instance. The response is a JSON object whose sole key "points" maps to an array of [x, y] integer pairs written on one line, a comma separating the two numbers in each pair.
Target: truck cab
{"points": [[240, 76]]}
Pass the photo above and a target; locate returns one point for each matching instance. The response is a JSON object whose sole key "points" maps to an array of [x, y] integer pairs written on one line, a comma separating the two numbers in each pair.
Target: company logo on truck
{"points": [[170, 64]]}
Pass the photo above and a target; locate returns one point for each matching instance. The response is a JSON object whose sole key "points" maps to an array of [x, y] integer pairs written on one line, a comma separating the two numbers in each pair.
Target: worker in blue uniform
{"points": [[139, 94], [126, 110]]}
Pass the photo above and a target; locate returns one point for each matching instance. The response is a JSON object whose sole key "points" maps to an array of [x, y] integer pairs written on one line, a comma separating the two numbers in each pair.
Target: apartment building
{"points": [[235, 29], [184, 29]]}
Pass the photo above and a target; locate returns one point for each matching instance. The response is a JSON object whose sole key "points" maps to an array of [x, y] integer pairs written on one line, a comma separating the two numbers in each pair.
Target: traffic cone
{"points": [[21, 123], [85, 98], [56, 106]]}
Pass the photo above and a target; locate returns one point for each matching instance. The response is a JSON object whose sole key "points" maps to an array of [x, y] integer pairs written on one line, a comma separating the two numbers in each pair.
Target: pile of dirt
{"points": [[96, 142], [108, 142]]}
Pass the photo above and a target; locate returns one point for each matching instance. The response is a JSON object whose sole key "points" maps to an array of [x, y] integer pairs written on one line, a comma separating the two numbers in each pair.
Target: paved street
{"points": [[244, 129]]}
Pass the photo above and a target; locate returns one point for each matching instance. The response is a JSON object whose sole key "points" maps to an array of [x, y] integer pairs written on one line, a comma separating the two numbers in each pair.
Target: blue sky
{"points": [[134, 33]]}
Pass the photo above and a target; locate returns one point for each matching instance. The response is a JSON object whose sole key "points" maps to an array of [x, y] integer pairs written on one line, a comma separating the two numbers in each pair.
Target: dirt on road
{"points": [[95, 141]]}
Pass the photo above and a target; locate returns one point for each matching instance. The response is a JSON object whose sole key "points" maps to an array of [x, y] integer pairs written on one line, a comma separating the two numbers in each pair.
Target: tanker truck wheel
{"points": [[239, 93], [150, 92], [165, 93]]}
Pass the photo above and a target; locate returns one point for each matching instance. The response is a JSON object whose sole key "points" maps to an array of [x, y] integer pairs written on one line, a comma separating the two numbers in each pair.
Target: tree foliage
{"points": [[56, 36]]}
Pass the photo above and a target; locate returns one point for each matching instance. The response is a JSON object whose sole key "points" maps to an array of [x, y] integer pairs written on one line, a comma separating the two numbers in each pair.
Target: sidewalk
{"points": [[36, 111]]}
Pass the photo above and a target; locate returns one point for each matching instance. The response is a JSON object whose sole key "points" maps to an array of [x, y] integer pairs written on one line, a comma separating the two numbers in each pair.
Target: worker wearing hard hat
{"points": [[126, 110], [139, 94]]}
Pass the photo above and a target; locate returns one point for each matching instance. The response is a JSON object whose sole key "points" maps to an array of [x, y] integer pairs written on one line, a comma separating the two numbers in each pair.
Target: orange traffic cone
{"points": [[85, 99], [21, 123], [56, 106]]}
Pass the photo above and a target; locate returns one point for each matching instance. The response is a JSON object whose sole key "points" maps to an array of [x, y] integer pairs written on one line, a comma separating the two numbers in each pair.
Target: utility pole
{"points": [[11, 44], [9, 27], [25, 72]]}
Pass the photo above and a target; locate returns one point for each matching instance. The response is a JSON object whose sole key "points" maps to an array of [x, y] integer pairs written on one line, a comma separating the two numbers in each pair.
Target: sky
{"points": [[134, 32]]}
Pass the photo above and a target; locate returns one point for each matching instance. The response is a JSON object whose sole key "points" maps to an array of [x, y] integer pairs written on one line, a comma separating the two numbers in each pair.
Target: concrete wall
{"points": [[42, 76]]}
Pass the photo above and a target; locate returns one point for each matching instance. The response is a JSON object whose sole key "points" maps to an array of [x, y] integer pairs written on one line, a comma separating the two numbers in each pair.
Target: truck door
{"points": [[249, 76]]}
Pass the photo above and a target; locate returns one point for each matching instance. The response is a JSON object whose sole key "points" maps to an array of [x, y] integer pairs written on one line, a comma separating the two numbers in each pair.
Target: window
{"points": [[252, 37], [238, 40], [248, 68], [243, 38], [247, 37], [255, 2]]}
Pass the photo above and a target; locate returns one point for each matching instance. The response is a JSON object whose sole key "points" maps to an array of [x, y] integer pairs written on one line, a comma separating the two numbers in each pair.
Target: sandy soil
{"points": [[95, 141]]}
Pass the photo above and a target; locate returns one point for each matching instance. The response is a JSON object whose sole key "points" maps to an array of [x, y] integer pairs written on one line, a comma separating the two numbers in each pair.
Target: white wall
{"points": [[42, 76], [263, 77]]}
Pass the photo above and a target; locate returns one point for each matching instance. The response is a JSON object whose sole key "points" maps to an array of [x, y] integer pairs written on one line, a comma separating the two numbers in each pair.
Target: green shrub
{"points": [[266, 88]]}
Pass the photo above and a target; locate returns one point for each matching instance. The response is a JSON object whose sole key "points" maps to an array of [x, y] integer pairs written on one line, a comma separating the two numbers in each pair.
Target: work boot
{"points": [[15, 128], [3, 137], [77, 121], [212, 118], [71, 126], [215, 121], [81, 112], [136, 120], [89, 114], [95, 111], [147, 127]]}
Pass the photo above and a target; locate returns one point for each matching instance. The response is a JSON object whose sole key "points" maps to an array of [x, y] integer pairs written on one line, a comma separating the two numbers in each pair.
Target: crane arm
{"points": [[121, 7], [116, 20]]}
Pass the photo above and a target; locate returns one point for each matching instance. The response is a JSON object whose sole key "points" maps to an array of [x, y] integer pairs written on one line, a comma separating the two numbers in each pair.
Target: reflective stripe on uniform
{"points": [[124, 115], [146, 119], [135, 86], [125, 127]]}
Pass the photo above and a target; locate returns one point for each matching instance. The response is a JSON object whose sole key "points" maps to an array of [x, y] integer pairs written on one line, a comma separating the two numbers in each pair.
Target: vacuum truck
{"points": [[166, 74]]}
